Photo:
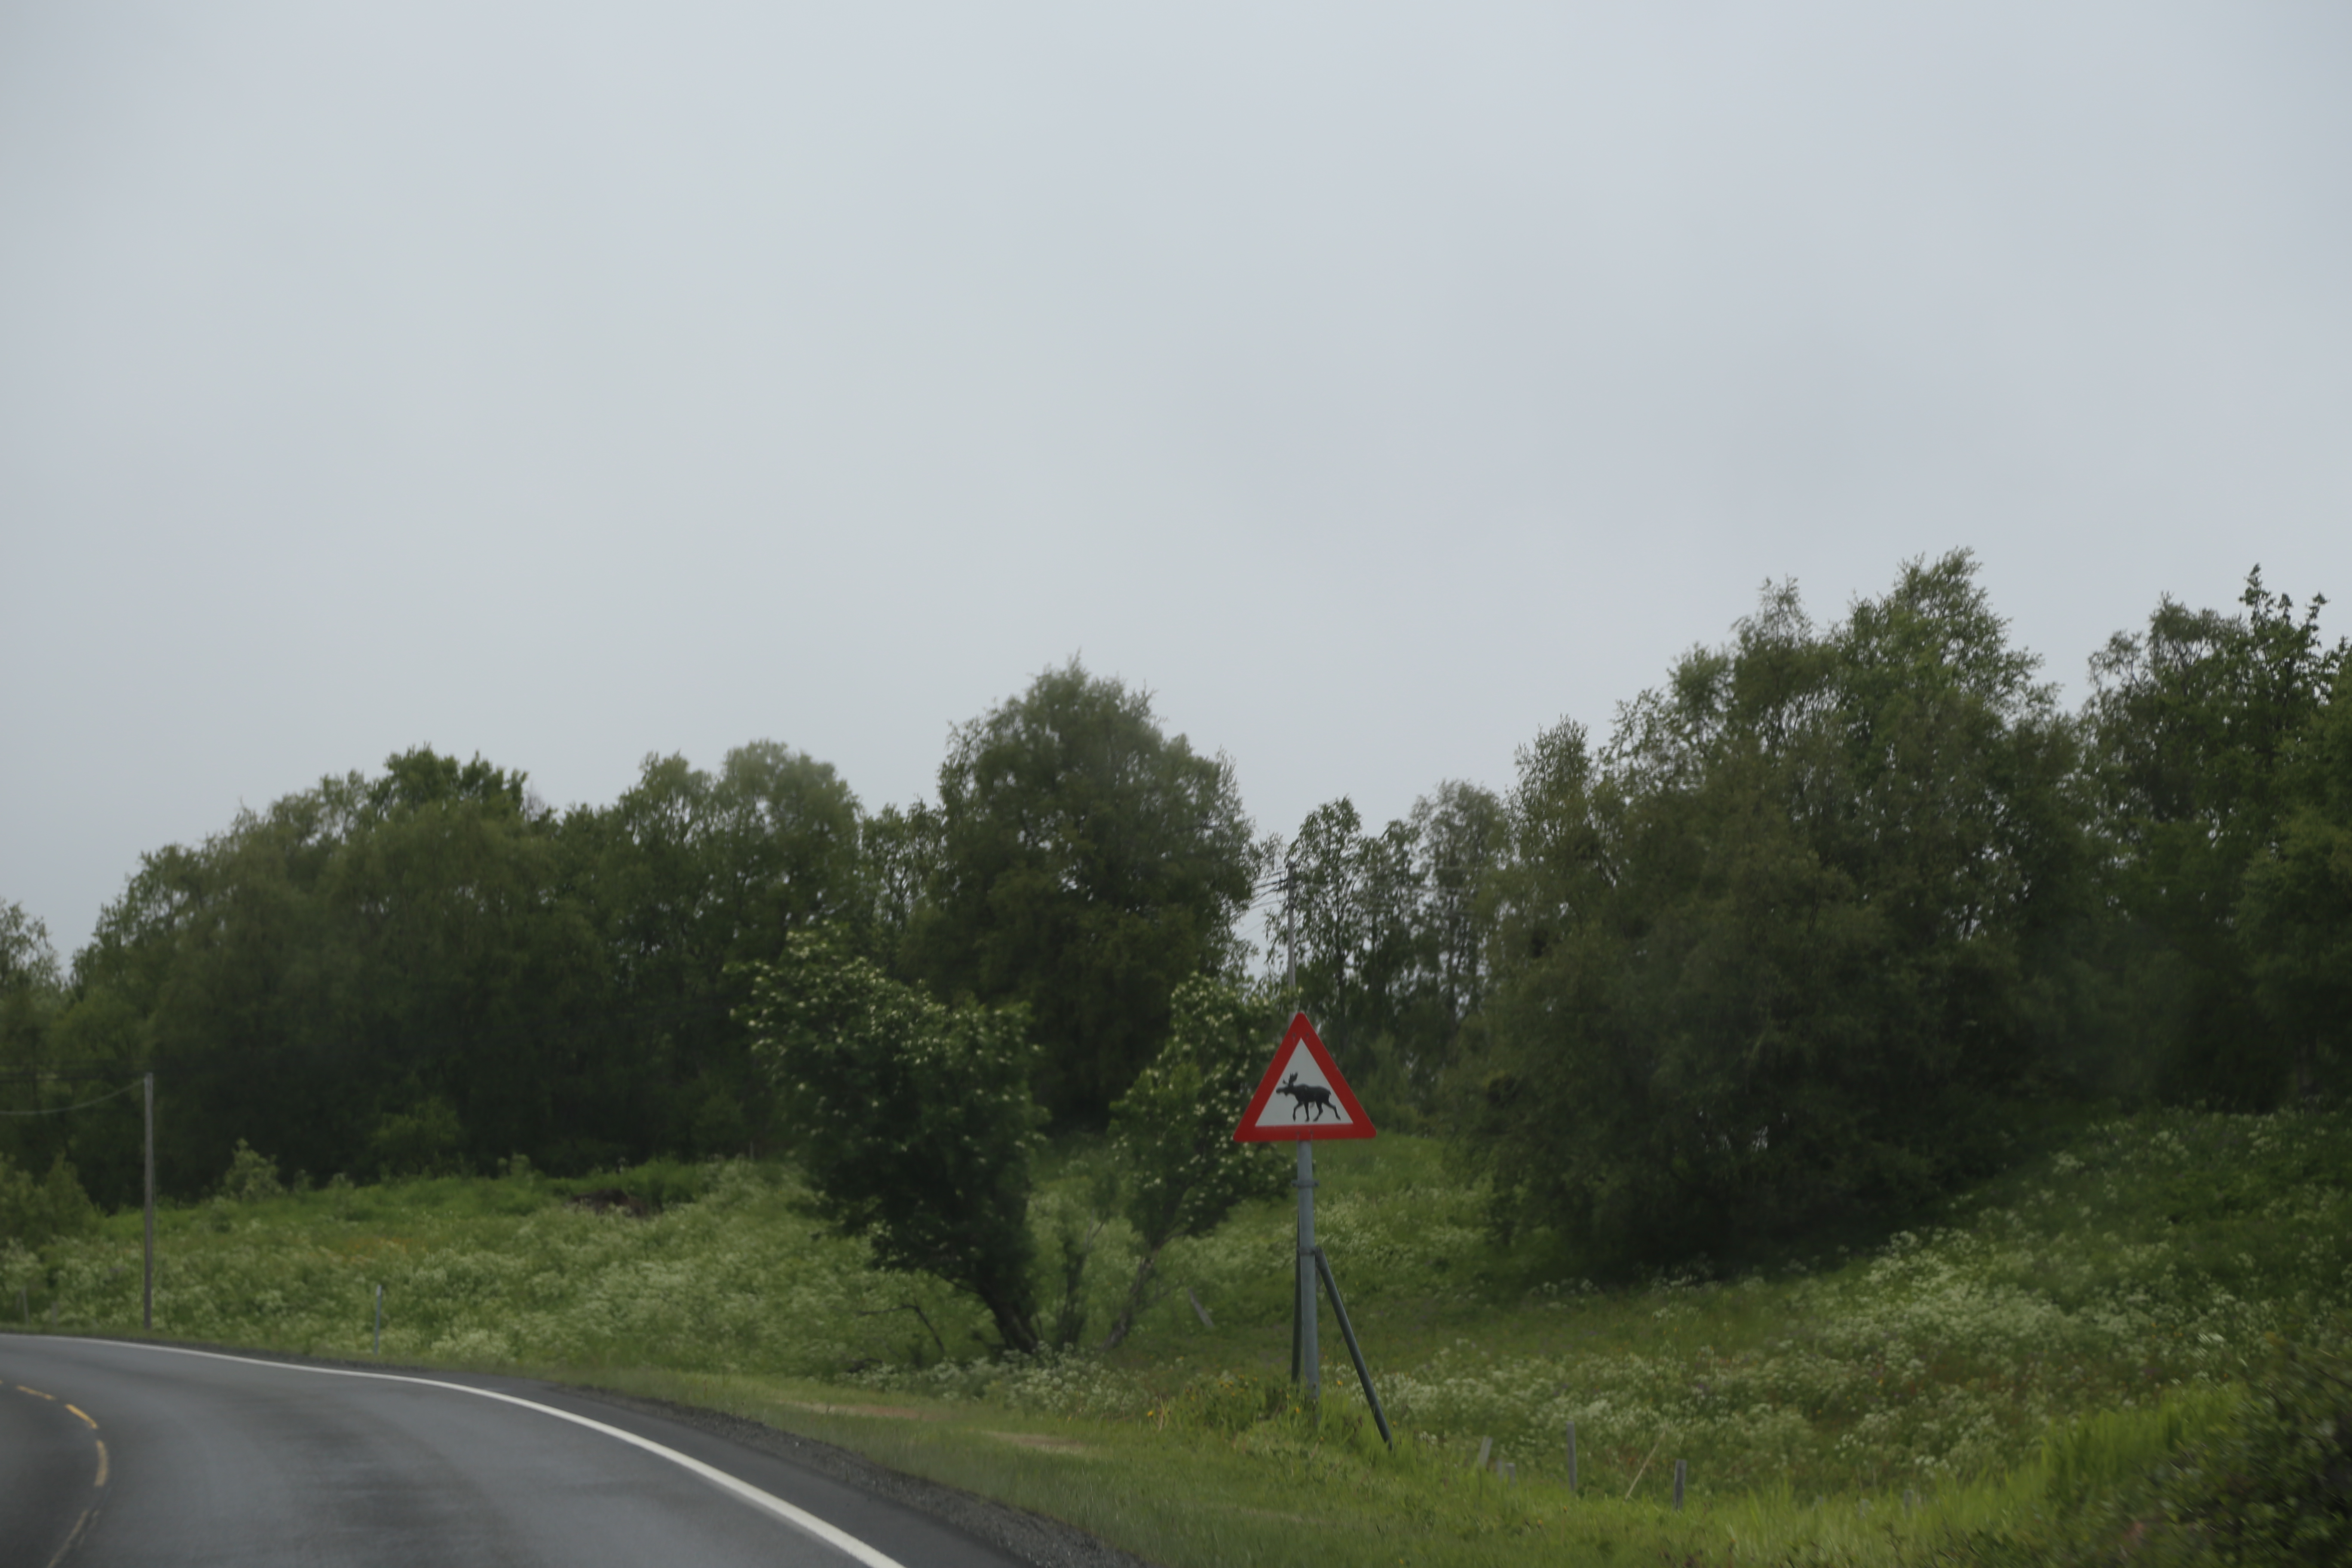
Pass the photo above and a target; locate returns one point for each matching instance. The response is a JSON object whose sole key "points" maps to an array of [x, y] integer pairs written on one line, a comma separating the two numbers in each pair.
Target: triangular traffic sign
{"points": [[1302, 1095]]}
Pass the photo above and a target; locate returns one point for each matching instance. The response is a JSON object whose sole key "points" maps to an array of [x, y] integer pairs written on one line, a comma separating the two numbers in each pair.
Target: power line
{"points": [[61, 1109], [70, 1075]]}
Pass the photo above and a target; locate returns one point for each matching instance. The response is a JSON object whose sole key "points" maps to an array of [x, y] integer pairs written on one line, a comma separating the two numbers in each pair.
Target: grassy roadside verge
{"points": [[2045, 1341], [1288, 1493]]}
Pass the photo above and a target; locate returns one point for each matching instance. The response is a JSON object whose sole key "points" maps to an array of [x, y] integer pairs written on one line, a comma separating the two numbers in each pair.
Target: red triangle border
{"points": [[1301, 1032]]}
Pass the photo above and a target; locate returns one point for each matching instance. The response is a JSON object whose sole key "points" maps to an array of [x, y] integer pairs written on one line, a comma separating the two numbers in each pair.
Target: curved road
{"points": [[114, 1454]]}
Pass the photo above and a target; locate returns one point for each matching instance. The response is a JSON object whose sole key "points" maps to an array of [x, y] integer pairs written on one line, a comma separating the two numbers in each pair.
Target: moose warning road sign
{"points": [[1302, 1095]]}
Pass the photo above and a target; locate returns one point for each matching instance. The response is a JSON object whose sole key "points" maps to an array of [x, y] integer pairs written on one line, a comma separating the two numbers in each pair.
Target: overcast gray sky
{"points": [[1376, 383]]}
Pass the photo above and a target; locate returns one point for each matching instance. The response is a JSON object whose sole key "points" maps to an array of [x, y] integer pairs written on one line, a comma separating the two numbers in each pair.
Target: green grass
{"points": [[2038, 1346]]}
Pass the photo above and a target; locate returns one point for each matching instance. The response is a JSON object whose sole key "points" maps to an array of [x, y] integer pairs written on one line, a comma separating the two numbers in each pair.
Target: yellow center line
{"points": [[84, 1414], [36, 1394], [101, 1461]]}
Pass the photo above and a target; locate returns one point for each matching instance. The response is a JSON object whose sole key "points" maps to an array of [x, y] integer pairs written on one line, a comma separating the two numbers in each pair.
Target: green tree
{"points": [[2295, 916], [211, 966], [915, 1123], [1086, 863], [1181, 1170], [1458, 831], [2193, 723], [1357, 898], [353, 951], [902, 855], [32, 994], [1787, 948], [687, 875], [1392, 930], [27, 963], [463, 974]]}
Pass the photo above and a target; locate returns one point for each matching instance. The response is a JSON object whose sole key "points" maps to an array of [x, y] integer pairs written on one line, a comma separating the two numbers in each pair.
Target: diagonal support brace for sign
{"points": [[1355, 1351]]}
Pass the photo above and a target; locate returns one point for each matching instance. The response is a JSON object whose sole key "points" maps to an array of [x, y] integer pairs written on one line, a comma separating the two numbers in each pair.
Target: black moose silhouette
{"points": [[1303, 1095]]}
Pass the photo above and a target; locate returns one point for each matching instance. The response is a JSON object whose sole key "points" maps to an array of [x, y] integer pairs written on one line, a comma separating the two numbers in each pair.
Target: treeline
{"points": [[1799, 937], [1833, 906], [427, 968]]}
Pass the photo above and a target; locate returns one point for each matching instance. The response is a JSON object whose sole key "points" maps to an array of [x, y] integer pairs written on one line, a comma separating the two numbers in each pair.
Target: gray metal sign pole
{"points": [[1311, 1353], [147, 1296], [1314, 1268], [1304, 1352]]}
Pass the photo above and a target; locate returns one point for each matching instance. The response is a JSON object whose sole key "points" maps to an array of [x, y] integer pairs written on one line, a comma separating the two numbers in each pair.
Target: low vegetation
{"points": [[2058, 1362]]}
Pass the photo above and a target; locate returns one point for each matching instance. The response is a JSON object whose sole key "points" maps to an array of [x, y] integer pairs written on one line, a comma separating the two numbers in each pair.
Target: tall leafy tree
{"points": [[32, 988], [215, 965], [354, 951], [1786, 947], [1392, 931], [2194, 722], [901, 857], [2295, 912], [1085, 863], [462, 976], [1358, 905], [688, 875], [32, 994], [1458, 834]]}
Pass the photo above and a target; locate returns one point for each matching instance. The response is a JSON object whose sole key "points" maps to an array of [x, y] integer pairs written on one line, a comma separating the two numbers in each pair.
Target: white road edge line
{"points": [[743, 1491]]}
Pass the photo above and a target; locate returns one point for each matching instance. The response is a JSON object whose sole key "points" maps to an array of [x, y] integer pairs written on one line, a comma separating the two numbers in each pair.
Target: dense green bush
{"points": [[35, 1212], [2275, 1486], [916, 1125], [1181, 1173], [252, 1176], [2269, 1485]]}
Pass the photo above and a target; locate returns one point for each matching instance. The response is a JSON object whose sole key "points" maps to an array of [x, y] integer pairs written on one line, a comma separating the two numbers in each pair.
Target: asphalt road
{"points": [[115, 1455]]}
